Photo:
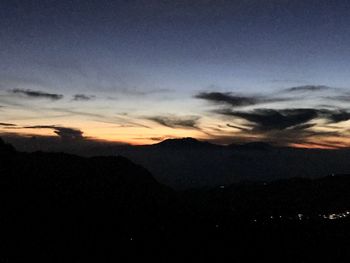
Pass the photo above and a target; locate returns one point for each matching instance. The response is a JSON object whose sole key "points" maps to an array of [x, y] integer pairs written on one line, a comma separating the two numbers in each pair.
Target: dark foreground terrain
{"points": [[58, 207]]}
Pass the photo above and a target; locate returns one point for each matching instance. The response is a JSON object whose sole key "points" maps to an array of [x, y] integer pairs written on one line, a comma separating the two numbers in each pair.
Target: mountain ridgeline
{"points": [[189, 163], [58, 207]]}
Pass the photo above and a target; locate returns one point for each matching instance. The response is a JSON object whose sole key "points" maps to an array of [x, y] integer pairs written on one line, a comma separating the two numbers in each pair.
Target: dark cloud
{"points": [[65, 133], [270, 119], [299, 134], [308, 88], [139, 92], [338, 116], [5, 124], [285, 126], [234, 100], [83, 97], [37, 94], [340, 98], [120, 119], [237, 127], [176, 121], [88, 146], [157, 139]]}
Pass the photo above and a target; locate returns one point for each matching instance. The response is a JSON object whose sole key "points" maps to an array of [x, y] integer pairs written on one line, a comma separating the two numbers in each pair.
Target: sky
{"points": [[141, 71]]}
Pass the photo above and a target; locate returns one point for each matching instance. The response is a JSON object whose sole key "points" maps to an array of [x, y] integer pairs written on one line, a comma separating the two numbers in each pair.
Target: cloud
{"points": [[64, 133], [140, 92], [308, 88], [121, 119], [300, 135], [340, 98], [237, 127], [338, 116], [270, 119], [5, 124], [48, 143], [83, 97], [157, 138], [37, 94], [74, 112], [273, 119], [234, 100], [176, 121], [284, 126]]}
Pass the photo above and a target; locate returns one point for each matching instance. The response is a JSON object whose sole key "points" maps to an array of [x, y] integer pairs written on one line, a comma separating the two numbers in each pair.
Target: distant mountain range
{"points": [[56, 207], [189, 163], [189, 143]]}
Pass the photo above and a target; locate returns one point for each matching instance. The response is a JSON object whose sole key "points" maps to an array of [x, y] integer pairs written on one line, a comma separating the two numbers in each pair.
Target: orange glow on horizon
{"points": [[312, 146], [152, 134]]}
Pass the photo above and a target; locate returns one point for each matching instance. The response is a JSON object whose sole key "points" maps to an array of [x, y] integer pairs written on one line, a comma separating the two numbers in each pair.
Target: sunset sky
{"points": [[141, 71]]}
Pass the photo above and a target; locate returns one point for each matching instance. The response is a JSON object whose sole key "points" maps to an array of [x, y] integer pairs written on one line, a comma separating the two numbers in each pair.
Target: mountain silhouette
{"points": [[6, 148], [58, 207], [60, 201], [189, 163], [184, 143]]}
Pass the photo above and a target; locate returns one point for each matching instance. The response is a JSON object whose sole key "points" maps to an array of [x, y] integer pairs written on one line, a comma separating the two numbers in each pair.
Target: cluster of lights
{"points": [[280, 217], [335, 216], [301, 217]]}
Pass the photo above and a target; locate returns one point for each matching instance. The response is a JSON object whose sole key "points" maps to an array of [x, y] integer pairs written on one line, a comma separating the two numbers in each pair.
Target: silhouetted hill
{"points": [[52, 201], [58, 207], [6, 148], [97, 178], [195, 167], [184, 143]]}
